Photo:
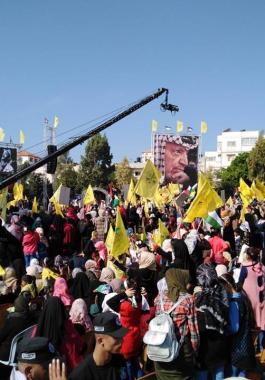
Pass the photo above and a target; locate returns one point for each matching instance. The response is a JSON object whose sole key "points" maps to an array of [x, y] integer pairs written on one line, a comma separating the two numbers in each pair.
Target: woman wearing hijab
{"points": [[10, 280], [212, 308], [252, 278], [82, 322], [16, 322], [81, 289], [178, 257], [241, 322], [130, 305], [107, 275], [54, 325], [185, 320], [61, 291]]}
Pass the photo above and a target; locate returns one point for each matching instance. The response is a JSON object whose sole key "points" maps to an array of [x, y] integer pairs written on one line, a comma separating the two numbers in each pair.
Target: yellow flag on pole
{"points": [[2, 134], [109, 239], [154, 125], [204, 127], [205, 201], [148, 181], [131, 197], [18, 190], [256, 192], [121, 241], [179, 126], [55, 121], [245, 190], [260, 186], [56, 195], [89, 197], [162, 233], [21, 137], [35, 206], [58, 209]]}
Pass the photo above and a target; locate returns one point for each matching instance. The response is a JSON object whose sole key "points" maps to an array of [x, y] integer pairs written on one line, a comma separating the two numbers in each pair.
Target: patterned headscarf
{"points": [[107, 275], [79, 314], [212, 301]]}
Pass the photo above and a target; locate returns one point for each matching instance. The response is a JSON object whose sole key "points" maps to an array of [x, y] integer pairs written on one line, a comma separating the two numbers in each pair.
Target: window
{"points": [[210, 158], [231, 144], [230, 157], [248, 141]]}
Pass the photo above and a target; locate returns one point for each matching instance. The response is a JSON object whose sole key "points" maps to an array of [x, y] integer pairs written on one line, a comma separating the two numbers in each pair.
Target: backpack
{"points": [[161, 340]]}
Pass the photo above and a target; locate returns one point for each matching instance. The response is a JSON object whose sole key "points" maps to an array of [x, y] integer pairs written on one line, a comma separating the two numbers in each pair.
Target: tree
{"points": [[229, 177], [95, 166], [256, 160], [123, 173], [66, 174]]}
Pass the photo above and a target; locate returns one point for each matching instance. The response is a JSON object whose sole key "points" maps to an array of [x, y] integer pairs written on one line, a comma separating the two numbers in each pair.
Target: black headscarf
{"points": [[182, 258], [81, 287], [51, 321], [21, 305]]}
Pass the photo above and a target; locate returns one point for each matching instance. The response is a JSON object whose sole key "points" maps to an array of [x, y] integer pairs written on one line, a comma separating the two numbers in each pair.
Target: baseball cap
{"points": [[108, 323], [36, 350]]}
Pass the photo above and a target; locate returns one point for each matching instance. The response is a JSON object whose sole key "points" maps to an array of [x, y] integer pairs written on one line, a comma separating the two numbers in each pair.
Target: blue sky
{"points": [[80, 59]]}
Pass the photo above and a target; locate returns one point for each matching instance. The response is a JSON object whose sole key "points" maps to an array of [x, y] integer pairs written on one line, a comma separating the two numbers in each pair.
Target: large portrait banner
{"points": [[176, 157]]}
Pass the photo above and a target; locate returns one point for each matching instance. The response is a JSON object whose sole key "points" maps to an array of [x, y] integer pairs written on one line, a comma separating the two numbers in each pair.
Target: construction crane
{"points": [[79, 140]]}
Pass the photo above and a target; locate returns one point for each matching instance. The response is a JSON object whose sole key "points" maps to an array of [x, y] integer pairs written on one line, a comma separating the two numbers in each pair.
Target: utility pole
{"points": [[49, 137]]}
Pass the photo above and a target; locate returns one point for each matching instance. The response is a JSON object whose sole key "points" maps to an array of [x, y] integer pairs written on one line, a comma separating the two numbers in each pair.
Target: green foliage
{"points": [[95, 166], [67, 176], [123, 173], [229, 177], [34, 185], [256, 160]]}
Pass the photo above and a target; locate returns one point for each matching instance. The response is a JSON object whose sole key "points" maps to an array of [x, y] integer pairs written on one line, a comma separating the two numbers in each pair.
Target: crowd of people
{"points": [[93, 315]]}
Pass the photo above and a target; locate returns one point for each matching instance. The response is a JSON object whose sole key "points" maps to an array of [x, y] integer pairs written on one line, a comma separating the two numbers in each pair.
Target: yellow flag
{"points": [[109, 239], [35, 206], [55, 121], [11, 203], [131, 197], [204, 127], [245, 190], [205, 201], [154, 125], [56, 195], [158, 199], [2, 134], [257, 193], [18, 190], [121, 241], [162, 233], [89, 197], [21, 137], [146, 208], [174, 188], [260, 186], [179, 126], [229, 202], [58, 209], [2, 271], [148, 181], [3, 202], [245, 204]]}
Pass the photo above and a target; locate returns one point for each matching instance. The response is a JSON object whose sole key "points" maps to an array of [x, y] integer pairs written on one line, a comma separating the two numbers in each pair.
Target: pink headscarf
{"points": [[61, 291], [102, 250], [79, 314]]}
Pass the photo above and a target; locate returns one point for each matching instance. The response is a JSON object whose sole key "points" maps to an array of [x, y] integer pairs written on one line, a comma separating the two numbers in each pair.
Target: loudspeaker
{"points": [[51, 165]]}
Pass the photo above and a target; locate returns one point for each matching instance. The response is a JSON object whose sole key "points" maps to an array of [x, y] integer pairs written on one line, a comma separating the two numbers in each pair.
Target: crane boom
{"points": [[79, 140]]}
